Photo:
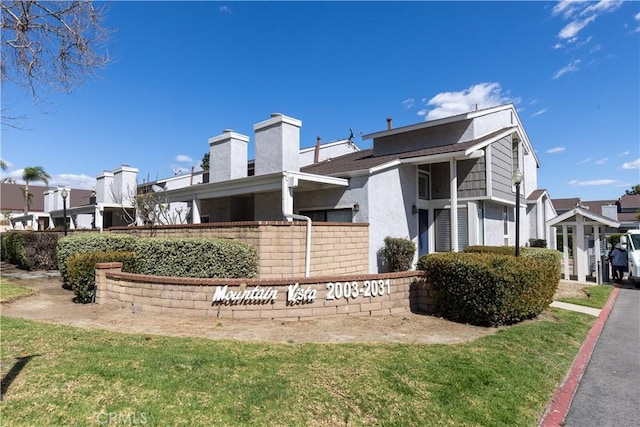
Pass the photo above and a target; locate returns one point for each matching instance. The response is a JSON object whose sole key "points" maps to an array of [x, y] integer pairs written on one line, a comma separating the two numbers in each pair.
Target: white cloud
{"points": [[580, 14], [225, 9], [556, 150], [571, 67], [602, 6], [70, 180], [592, 183], [602, 161], [408, 103], [586, 161], [631, 165], [183, 158], [539, 112], [557, 46], [624, 153], [637, 18], [571, 30], [481, 95], [567, 7]]}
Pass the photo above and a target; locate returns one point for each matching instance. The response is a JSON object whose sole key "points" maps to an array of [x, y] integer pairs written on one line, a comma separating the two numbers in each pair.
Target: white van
{"points": [[631, 243]]}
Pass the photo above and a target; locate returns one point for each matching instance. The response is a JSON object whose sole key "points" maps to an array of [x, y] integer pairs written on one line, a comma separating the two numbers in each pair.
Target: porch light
{"points": [[64, 193], [516, 179]]}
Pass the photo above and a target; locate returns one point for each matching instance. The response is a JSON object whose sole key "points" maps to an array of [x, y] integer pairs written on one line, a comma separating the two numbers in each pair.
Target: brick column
{"points": [[102, 285]]}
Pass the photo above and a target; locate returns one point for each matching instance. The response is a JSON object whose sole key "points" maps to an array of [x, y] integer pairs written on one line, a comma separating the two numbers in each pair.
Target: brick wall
{"points": [[336, 248], [390, 293]]}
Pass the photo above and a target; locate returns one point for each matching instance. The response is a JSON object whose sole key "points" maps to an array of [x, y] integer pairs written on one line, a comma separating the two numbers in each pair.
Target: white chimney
{"points": [[610, 211], [228, 156], [277, 144], [125, 183], [104, 183]]}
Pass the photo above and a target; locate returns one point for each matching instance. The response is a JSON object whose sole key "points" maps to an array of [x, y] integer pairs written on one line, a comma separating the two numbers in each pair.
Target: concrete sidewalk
{"points": [[575, 307], [602, 387]]}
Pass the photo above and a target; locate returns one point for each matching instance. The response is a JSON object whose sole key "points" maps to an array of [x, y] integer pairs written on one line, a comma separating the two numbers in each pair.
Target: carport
{"points": [[583, 224]]}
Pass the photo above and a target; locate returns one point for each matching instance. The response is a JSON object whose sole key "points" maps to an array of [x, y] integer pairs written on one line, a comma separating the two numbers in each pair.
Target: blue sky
{"points": [[184, 71]]}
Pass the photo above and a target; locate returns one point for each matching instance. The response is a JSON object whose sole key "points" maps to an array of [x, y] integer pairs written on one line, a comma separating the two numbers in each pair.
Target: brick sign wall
{"points": [[287, 299]]}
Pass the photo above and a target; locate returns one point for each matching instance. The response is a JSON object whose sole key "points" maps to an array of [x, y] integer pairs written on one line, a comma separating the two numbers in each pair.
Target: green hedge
{"points": [[491, 289], [81, 271], [30, 250], [196, 257], [502, 250], [397, 254], [90, 242]]}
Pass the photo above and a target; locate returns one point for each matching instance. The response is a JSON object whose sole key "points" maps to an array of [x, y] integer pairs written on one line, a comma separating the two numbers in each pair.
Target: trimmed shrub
{"points": [[13, 250], [90, 242], [3, 246], [502, 250], [490, 289], [30, 250], [397, 254], [196, 257], [81, 271]]}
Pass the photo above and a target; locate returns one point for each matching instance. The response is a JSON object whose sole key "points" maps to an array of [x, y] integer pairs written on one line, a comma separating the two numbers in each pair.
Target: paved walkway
{"points": [[575, 307], [602, 387], [609, 392]]}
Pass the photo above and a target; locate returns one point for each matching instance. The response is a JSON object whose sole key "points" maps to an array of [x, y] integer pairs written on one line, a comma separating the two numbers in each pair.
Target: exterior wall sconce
{"points": [[64, 193], [517, 179], [414, 209], [356, 207]]}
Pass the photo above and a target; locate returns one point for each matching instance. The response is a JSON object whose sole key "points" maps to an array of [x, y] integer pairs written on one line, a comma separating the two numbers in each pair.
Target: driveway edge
{"points": [[559, 407]]}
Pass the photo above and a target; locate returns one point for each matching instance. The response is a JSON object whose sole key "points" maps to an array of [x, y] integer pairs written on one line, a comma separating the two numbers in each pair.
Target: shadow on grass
{"points": [[13, 373]]}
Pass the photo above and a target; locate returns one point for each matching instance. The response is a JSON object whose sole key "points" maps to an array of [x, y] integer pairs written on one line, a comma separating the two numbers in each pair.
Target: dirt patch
{"points": [[54, 304], [568, 289]]}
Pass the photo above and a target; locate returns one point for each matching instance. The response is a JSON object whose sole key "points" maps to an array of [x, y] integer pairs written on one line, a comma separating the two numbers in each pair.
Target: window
{"points": [[329, 215], [423, 186], [515, 160], [442, 225], [505, 222]]}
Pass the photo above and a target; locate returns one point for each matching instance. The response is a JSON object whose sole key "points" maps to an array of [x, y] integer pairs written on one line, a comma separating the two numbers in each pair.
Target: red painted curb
{"points": [[559, 407]]}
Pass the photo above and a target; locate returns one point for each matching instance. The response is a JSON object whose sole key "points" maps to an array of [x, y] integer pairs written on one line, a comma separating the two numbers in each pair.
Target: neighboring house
{"points": [[624, 210], [629, 211], [404, 186], [108, 206], [38, 217], [583, 227]]}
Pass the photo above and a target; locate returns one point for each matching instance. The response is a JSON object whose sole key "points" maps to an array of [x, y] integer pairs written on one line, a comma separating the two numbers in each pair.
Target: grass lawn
{"points": [[10, 292], [597, 296], [60, 375]]}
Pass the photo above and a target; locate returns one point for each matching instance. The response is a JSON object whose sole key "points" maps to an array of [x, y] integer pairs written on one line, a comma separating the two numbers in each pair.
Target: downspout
{"points": [[285, 197]]}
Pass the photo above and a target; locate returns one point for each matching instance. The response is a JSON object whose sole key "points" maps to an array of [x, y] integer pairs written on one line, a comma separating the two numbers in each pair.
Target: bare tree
{"points": [[52, 45], [149, 205]]}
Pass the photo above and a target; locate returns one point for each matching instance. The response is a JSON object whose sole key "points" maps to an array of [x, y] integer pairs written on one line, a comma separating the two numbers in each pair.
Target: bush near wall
{"points": [[196, 257], [30, 250], [397, 254], [490, 289], [90, 242], [81, 271]]}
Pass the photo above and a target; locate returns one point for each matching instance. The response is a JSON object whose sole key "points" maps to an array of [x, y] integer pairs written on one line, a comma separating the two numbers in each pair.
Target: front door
{"points": [[423, 232]]}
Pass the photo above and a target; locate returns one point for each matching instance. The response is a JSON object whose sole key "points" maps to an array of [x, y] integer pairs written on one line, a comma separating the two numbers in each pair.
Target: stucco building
{"points": [[445, 184]]}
